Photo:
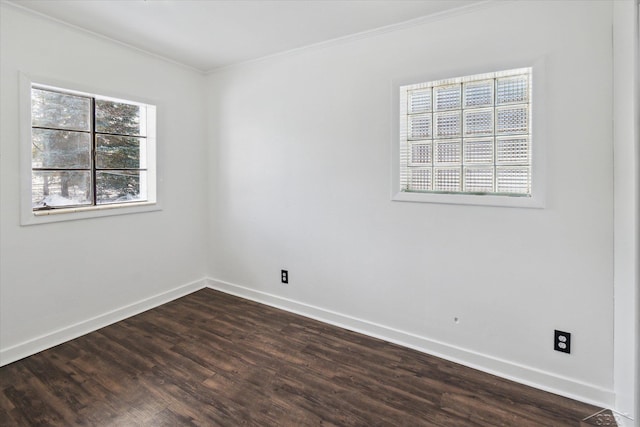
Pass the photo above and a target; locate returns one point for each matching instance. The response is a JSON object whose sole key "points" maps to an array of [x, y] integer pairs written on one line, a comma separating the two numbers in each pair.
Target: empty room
{"points": [[319, 212]]}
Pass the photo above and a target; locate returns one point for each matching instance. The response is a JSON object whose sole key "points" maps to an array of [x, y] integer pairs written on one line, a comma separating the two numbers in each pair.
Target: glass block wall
{"points": [[467, 135]]}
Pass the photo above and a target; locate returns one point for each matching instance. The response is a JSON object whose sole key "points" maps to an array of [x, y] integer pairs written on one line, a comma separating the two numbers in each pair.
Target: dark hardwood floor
{"points": [[213, 359]]}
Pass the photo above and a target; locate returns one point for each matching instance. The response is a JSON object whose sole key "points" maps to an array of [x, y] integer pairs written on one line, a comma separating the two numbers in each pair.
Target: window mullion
{"points": [[94, 187]]}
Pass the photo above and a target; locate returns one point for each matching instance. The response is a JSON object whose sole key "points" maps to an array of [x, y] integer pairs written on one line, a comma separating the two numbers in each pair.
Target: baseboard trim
{"points": [[533, 377], [523, 374], [43, 342]]}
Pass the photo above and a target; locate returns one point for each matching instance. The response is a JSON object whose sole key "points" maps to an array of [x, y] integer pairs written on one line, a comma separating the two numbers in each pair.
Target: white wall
{"points": [[626, 206], [300, 180], [59, 279]]}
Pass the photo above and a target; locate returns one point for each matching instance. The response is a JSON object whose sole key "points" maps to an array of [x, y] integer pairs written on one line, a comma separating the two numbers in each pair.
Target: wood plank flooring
{"points": [[210, 359]]}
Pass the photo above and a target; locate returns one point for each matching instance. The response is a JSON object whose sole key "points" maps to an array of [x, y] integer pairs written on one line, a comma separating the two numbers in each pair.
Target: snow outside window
{"points": [[86, 150], [87, 153]]}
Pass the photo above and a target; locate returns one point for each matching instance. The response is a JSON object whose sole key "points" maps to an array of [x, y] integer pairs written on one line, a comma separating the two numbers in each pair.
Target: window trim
{"points": [[538, 182], [30, 217]]}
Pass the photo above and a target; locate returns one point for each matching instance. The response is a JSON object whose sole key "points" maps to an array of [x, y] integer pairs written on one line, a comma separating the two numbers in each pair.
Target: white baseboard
{"points": [[523, 374], [35, 345], [530, 376]]}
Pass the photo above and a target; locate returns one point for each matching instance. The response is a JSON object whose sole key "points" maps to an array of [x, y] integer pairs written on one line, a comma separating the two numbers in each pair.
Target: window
{"points": [[88, 152], [466, 136]]}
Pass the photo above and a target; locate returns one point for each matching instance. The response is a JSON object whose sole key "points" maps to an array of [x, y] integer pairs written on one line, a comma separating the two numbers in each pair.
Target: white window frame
{"points": [[538, 182], [30, 217]]}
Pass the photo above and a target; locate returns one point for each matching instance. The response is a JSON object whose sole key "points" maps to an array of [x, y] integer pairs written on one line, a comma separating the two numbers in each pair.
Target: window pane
{"points": [[420, 126], [420, 179], [448, 152], [421, 154], [478, 122], [59, 110], [448, 125], [60, 149], [513, 90], [120, 118], [513, 179], [447, 97], [478, 179], [478, 150], [120, 152], [60, 188], [478, 94], [512, 150], [447, 179], [420, 101], [512, 120], [120, 186]]}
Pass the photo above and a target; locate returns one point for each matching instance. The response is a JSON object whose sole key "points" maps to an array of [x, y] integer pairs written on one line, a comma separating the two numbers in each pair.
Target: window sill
{"points": [[72, 214], [470, 199]]}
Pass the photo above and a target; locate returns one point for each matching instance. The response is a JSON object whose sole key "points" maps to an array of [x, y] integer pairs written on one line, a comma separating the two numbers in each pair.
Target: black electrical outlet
{"points": [[284, 276], [562, 341]]}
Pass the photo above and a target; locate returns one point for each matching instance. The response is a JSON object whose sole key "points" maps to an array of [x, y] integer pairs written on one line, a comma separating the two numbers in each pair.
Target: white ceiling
{"points": [[210, 34]]}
